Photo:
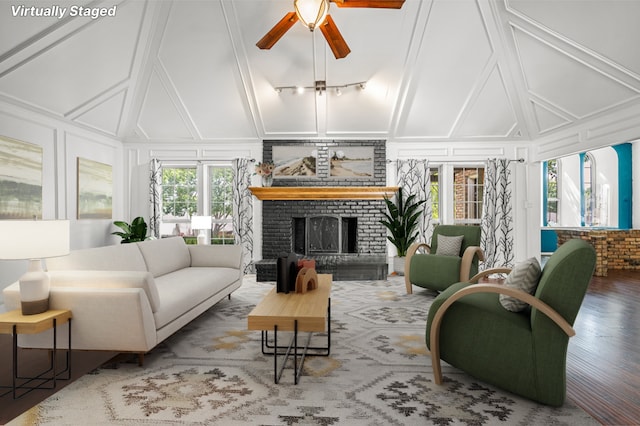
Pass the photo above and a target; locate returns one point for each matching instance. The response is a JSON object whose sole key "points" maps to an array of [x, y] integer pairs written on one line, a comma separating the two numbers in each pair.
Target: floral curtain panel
{"points": [[414, 178], [155, 197], [497, 216], [243, 211]]}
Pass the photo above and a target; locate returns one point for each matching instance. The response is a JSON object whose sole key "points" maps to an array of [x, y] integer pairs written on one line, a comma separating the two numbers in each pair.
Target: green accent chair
{"points": [[436, 271], [522, 352]]}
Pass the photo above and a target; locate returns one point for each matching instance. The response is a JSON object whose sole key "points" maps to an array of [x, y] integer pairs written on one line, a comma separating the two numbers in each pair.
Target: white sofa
{"points": [[130, 297]]}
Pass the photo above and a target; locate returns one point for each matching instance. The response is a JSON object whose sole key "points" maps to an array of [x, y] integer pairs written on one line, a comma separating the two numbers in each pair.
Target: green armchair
{"points": [[522, 352], [438, 271]]}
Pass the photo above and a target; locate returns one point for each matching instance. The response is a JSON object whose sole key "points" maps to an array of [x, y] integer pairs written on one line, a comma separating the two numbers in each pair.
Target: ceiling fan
{"points": [[314, 13]]}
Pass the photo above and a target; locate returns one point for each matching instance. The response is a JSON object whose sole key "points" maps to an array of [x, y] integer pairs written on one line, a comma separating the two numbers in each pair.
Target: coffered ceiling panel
{"points": [[607, 28], [196, 47], [16, 27], [455, 51], [161, 117], [566, 82], [105, 115], [75, 69], [490, 113]]}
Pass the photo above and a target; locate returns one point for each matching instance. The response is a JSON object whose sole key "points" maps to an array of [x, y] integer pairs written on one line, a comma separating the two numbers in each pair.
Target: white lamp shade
{"points": [[33, 239], [200, 222], [311, 12]]}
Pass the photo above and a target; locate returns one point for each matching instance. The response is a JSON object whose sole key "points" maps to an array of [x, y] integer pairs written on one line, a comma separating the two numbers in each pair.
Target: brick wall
{"points": [[615, 248]]}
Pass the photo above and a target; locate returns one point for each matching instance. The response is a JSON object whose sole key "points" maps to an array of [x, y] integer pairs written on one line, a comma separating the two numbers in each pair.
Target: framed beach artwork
{"points": [[294, 161], [351, 161], [20, 180], [95, 190]]}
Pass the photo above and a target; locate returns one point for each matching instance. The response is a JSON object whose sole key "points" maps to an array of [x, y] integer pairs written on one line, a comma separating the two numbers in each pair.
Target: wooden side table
{"points": [[15, 323]]}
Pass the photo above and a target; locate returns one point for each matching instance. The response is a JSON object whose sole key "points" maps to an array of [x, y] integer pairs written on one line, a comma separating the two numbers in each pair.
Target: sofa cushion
{"points": [[120, 257], [182, 290], [449, 246], [109, 279], [165, 255], [524, 276]]}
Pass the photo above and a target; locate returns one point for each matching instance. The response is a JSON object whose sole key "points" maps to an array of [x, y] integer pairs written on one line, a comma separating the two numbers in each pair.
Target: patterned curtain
{"points": [[155, 197], [243, 211], [414, 178], [497, 215]]}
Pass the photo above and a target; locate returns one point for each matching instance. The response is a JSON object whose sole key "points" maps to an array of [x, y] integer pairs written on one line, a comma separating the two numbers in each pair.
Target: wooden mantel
{"points": [[323, 192]]}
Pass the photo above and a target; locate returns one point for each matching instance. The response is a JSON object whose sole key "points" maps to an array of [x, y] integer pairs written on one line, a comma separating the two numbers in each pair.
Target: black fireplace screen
{"points": [[325, 235]]}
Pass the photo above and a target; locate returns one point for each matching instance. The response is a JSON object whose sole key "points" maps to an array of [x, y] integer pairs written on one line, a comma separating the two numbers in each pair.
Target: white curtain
{"points": [[155, 197], [243, 211], [414, 178], [497, 215]]}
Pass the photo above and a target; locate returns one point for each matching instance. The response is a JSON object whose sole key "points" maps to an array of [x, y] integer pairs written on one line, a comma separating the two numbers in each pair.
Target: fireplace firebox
{"points": [[325, 234]]}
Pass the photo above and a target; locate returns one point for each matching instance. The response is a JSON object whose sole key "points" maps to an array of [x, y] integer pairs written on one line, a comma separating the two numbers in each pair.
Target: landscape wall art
{"points": [[20, 180], [351, 161], [294, 161], [95, 190]]}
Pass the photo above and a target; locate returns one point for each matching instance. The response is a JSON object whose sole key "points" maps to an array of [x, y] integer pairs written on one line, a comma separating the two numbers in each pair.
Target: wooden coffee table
{"points": [[298, 312]]}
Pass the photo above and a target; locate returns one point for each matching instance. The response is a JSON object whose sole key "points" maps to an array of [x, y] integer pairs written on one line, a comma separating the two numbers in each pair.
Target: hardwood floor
{"points": [[603, 361]]}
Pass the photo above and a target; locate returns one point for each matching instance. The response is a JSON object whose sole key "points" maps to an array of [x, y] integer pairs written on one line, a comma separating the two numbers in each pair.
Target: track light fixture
{"points": [[321, 86]]}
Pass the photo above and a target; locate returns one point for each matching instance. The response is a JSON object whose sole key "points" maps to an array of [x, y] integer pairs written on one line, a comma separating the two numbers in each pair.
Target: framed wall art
{"points": [[95, 190], [20, 180], [351, 161], [294, 161]]}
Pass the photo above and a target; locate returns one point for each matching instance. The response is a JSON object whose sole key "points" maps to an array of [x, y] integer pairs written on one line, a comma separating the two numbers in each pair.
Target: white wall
{"points": [[62, 144]]}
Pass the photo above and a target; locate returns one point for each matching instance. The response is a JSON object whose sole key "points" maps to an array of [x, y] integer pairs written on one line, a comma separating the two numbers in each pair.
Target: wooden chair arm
{"points": [[467, 259], [413, 248], [488, 272], [434, 336]]}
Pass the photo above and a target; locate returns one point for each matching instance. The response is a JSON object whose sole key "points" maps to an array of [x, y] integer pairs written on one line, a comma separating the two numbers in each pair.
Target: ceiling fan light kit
{"points": [[315, 13], [311, 12]]}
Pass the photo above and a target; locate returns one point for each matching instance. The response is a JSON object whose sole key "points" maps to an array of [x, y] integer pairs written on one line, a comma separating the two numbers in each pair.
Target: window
{"points": [[197, 190], [434, 174], [588, 190], [551, 192], [179, 200], [468, 190], [221, 207]]}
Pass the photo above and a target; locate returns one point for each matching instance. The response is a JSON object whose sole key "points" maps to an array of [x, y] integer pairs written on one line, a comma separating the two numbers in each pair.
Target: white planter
{"points": [[398, 265]]}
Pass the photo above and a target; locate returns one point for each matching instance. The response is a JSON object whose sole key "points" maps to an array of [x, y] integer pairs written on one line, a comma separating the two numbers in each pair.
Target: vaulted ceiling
{"points": [[443, 70]]}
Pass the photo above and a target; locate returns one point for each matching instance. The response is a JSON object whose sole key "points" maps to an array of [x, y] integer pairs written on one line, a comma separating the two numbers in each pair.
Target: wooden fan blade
{"points": [[334, 38], [381, 4], [277, 31]]}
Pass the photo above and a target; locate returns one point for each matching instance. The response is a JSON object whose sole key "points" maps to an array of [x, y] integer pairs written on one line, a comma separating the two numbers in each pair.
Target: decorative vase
{"points": [[267, 180]]}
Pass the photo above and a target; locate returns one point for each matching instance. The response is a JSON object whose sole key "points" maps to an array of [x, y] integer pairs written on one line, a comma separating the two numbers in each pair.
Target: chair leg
{"points": [[434, 339]]}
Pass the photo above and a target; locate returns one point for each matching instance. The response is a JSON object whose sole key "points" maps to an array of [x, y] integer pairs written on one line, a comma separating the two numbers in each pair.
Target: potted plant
{"points": [[401, 219], [136, 231]]}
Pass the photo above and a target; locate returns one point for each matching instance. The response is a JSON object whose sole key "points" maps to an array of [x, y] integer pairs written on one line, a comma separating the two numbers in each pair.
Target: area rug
{"points": [[378, 373]]}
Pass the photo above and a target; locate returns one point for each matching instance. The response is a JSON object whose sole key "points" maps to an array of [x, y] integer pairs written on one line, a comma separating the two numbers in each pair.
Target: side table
{"points": [[15, 323]]}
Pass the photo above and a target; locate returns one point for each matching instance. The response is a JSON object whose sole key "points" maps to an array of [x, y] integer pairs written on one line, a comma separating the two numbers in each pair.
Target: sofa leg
{"points": [[229, 296], [140, 359]]}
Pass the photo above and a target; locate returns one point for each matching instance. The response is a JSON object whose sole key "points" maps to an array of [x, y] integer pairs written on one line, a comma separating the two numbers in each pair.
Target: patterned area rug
{"points": [[379, 373]]}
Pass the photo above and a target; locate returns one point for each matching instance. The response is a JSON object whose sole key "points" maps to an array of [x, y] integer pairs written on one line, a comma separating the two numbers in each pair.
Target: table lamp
{"points": [[34, 240], [201, 223]]}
